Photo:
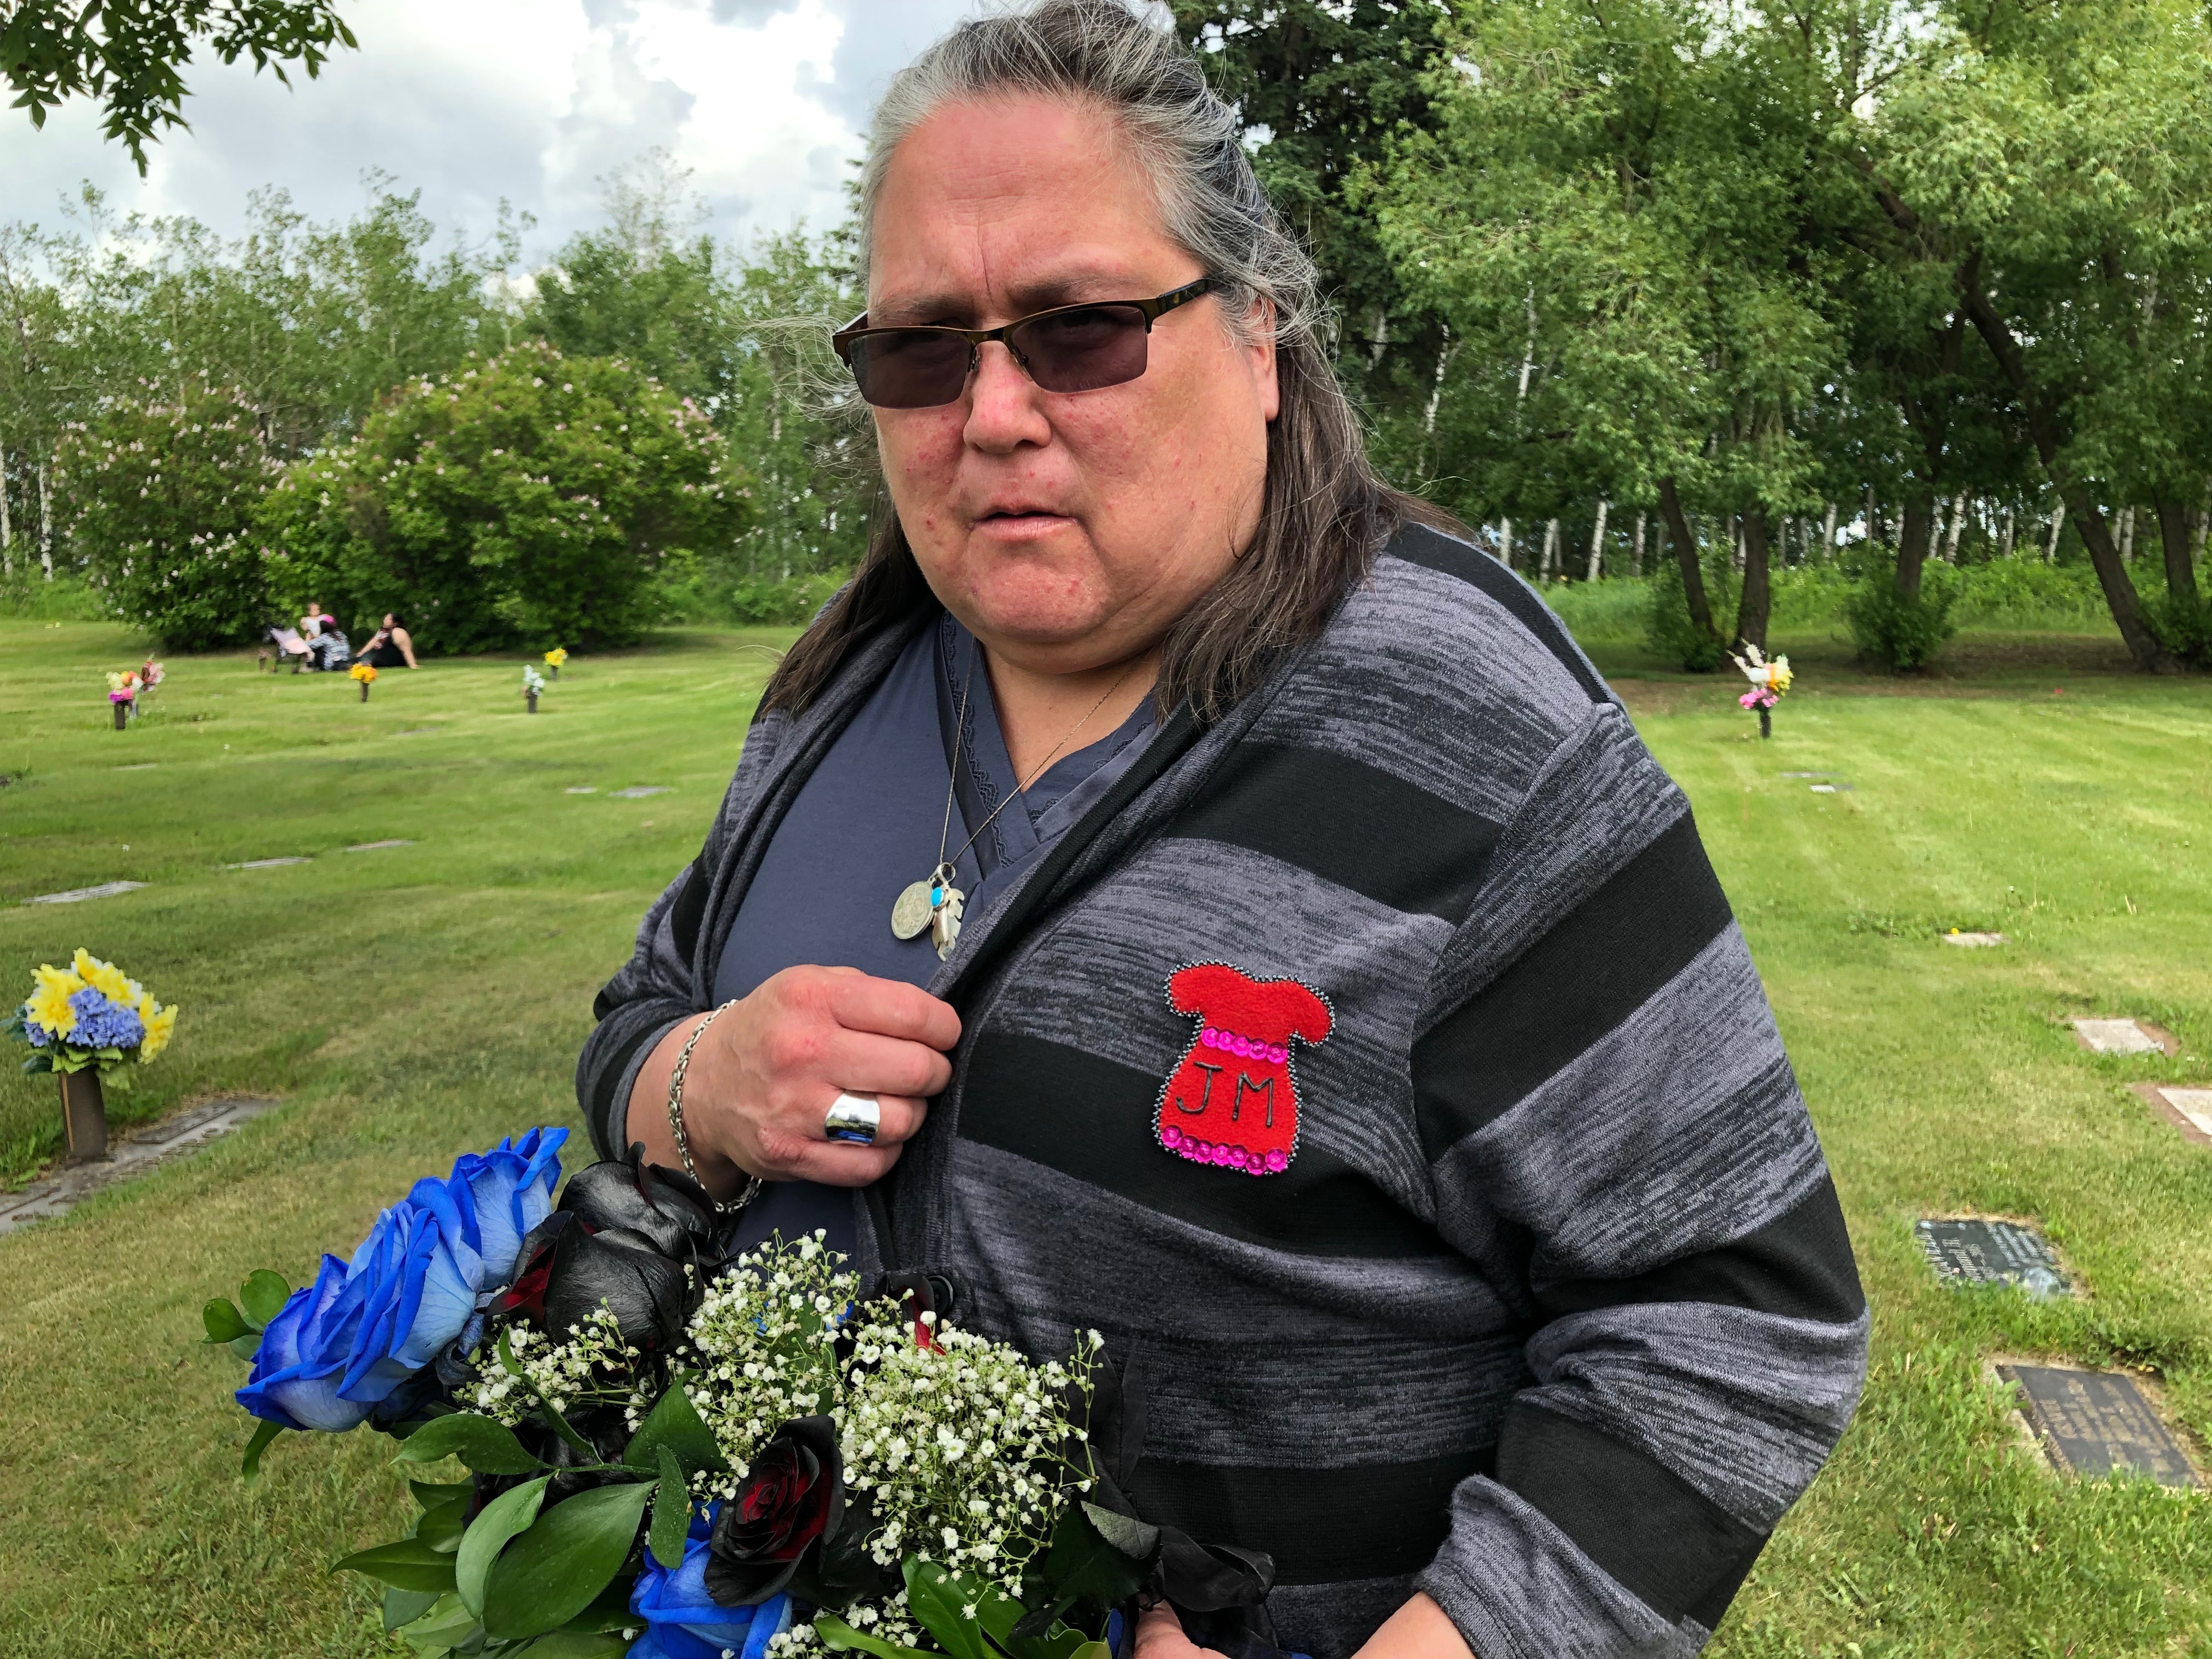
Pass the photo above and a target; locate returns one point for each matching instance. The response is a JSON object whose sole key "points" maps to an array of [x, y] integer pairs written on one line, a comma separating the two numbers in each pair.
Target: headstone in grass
{"points": [[1969, 941], [1968, 1250], [2118, 1036], [639, 792], [2098, 1423], [375, 846], [78, 895], [180, 1133], [269, 864]]}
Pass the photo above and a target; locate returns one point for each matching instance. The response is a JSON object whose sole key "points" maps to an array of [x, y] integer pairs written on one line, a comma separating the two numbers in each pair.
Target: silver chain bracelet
{"points": [[676, 1120]]}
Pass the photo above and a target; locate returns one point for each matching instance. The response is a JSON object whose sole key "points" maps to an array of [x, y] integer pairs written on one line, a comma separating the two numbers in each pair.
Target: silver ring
{"points": [[855, 1119]]}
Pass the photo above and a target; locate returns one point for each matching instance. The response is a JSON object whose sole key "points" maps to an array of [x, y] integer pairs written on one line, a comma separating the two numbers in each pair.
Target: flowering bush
{"points": [[823, 1468], [529, 494], [163, 492], [90, 1015]]}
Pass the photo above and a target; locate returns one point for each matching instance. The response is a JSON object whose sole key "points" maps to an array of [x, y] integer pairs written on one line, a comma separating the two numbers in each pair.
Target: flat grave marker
{"points": [[1832, 789], [1974, 941], [78, 895], [2189, 1107], [639, 792], [1805, 774], [373, 846], [2098, 1423], [269, 864], [582, 789], [2119, 1036], [1968, 1250], [178, 1133]]}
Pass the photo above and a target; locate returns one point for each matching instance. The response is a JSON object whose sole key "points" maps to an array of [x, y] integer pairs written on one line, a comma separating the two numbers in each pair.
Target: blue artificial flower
{"points": [[297, 1368], [34, 1033], [433, 1258], [681, 1621], [104, 1024]]}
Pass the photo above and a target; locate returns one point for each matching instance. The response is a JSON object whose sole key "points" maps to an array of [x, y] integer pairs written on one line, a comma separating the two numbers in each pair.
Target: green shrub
{"points": [[1900, 633], [1668, 628], [689, 592], [162, 497], [28, 596], [2183, 623], [528, 500]]}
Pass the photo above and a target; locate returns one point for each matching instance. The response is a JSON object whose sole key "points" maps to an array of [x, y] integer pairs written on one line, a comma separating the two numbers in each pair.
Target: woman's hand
{"points": [[763, 1075], [1159, 1636]]}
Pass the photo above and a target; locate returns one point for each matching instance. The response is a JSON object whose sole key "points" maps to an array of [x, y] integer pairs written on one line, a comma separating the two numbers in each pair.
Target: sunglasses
{"points": [[1068, 349]]}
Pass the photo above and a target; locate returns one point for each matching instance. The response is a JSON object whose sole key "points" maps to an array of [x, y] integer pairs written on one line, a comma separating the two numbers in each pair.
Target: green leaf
{"points": [[487, 1446], [556, 1570], [406, 1606], [936, 1601], [407, 1562], [836, 1633], [674, 1422], [433, 1494], [1133, 1538], [672, 1513], [442, 1627], [250, 1465], [441, 1527], [1081, 1568], [610, 1611], [509, 1513], [573, 1644], [264, 1295], [247, 1346], [224, 1323]]}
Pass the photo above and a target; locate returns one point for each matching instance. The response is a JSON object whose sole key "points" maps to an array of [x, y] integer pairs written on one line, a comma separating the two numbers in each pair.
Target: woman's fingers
{"points": [[1159, 1636], [867, 1064], [892, 1008]]}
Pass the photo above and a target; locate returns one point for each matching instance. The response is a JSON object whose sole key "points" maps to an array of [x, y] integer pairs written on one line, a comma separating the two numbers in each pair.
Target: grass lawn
{"points": [[413, 1002]]}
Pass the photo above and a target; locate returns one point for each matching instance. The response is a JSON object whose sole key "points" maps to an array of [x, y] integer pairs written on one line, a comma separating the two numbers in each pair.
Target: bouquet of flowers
{"points": [[90, 1016], [1770, 678], [679, 1452], [553, 658], [533, 686], [124, 688], [365, 673]]}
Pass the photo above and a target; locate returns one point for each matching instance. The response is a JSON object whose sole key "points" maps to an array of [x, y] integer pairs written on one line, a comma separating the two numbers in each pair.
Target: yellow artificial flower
{"points": [[362, 671], [105, 978], [158, 1024], [49, 1006], [556, 657]]}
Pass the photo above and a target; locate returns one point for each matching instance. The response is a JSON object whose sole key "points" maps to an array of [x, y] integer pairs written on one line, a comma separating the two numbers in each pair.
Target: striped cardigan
{"points": [[1552, 1313]]}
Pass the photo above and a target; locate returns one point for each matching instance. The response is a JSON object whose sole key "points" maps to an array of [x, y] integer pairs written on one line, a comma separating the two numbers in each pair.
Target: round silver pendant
{"points": [[910, 915]]}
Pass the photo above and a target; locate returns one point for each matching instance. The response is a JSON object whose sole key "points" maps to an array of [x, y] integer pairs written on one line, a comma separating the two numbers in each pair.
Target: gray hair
{"points": [[1324, 514], [1186, 139]]}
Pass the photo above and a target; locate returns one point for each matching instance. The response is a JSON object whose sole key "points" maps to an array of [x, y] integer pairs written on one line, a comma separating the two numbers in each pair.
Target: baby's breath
{"points": [[591, 1364]]}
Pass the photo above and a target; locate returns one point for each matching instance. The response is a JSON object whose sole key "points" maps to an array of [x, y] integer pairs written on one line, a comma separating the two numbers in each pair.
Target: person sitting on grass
{"points": [[330, 650], [391, 646]]}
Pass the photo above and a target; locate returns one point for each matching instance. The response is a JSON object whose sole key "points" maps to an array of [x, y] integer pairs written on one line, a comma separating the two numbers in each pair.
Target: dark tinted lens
{"points": [[1083, 349], [910, 367]]}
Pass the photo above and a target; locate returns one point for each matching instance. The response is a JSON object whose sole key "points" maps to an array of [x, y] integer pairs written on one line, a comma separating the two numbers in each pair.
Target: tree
{"points": [[164, 493], [526, 501], [131, 56]]}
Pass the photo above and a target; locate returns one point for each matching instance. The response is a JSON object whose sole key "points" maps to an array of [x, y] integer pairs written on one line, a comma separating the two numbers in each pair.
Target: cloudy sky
{"points": [[471, 100]]}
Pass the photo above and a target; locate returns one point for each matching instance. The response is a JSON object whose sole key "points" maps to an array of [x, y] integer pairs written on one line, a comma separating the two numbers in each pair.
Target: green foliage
{"points": [[691, 589], [1669, 629], [1902, 631], [26, 597], [165, 492], [524, 500], [133, 60]]}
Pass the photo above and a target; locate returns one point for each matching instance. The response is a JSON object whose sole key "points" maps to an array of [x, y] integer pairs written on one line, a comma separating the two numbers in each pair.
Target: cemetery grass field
{"points": [[413, 1002]]}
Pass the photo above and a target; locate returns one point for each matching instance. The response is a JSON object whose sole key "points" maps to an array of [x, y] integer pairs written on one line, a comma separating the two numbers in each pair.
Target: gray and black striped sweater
{"points": [[1552, 1312]]}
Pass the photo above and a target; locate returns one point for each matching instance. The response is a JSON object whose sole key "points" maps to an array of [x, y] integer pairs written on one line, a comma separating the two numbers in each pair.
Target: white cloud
{"points": [[526, 100]]}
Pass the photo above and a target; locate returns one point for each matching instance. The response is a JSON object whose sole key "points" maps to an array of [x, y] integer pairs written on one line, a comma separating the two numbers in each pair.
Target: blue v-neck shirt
{"points": [[870, 821]]}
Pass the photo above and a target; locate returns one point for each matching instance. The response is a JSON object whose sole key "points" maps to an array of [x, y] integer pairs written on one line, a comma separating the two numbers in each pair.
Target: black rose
{"points": [[649, 1294], [790, 1502], [665, 1206]]}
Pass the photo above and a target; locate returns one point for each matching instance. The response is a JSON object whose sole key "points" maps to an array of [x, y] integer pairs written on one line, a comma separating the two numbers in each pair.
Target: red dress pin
{"points": [[1233, 1098]]}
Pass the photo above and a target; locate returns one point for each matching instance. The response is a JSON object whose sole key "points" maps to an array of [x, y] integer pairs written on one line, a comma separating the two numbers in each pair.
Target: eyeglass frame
{"points": [[1152, 310]]}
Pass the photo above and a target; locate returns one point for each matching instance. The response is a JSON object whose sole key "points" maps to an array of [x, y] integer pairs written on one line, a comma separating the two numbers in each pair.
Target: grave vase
{"points": [[122, 713], [364, 690], [1765, 724], [532, 696], [84, 1115]]}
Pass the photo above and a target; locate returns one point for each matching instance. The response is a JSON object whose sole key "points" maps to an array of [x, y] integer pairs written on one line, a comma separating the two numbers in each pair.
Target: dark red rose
{"points": [[524, 1296], [791, 1500]]}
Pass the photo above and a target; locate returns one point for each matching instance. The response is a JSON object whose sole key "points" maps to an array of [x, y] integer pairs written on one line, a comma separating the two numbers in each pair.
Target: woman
{"points": [[390, 647], [1261, 933]]}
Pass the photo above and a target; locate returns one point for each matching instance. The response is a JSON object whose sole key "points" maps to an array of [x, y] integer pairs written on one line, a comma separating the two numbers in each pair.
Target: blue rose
{"points": [[681, 1621], [299, 1365], [432, 1259]]}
